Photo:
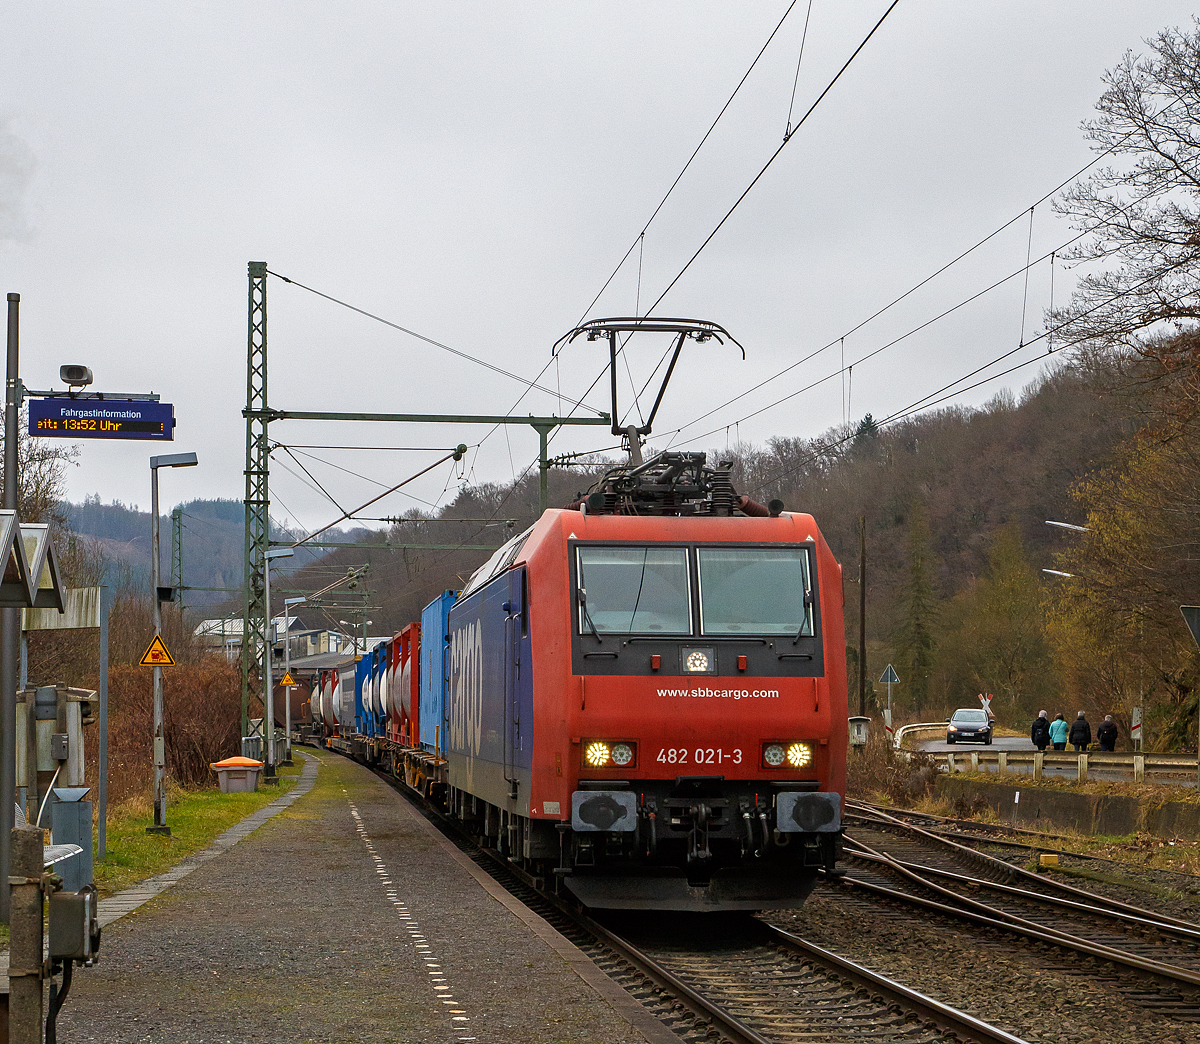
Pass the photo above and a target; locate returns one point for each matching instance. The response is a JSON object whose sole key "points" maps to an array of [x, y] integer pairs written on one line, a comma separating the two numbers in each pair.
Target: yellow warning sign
{"points": [[288, 680], [156, 655]]}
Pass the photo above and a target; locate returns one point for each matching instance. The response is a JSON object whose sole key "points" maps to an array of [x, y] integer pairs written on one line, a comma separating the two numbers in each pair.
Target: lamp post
{"points": [[362, 626], [168, 460], [287, 673], [268, 679]]}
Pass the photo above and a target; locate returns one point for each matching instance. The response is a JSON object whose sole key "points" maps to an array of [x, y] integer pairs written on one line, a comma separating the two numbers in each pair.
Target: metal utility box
{"points": [[74, 932], [71, 824]]}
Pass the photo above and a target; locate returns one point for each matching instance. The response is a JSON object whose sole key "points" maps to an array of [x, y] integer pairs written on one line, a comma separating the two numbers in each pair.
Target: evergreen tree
{"points": [[866, 439], [915, 644]]}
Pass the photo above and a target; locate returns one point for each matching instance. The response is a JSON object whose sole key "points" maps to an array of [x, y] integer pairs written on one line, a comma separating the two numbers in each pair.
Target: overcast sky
{"points": [[475, 172]]}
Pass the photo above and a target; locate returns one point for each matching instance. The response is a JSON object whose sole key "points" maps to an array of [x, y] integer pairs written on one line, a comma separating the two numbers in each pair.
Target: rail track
{"points": [[900, 862], [1004, 835], [734, 978]]}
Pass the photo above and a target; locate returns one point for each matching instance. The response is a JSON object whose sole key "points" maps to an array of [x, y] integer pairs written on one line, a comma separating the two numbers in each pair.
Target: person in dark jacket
{"points": [[1081, 733], [1040, 731], [1107, 733]]}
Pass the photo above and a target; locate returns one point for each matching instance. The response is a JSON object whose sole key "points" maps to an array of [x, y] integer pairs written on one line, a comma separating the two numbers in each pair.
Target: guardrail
{"points": [[1138, 767], [929, 726]]}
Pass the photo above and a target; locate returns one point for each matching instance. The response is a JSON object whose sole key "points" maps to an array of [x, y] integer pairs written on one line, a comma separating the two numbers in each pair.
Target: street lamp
{"points": [[1068, 525], [167, 460], [268, 679], [287, 673]]}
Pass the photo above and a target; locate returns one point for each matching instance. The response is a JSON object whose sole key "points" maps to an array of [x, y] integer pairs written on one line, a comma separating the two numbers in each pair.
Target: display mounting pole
{"points": [[160, 750], [102, 768], [10, 620]]}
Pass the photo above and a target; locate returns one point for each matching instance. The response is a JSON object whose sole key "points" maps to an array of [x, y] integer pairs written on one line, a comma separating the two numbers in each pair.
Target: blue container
{"points": [[434, 661]]}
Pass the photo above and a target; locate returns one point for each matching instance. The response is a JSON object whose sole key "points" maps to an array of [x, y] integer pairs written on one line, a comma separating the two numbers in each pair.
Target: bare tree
{"points": [[1141, 216]]}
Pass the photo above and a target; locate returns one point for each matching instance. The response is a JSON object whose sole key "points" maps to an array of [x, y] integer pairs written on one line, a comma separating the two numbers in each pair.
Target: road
{"points": [[940, 745]]}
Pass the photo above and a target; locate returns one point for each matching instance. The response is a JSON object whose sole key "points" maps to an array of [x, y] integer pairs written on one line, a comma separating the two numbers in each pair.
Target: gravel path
{"points": [[346, 917]]}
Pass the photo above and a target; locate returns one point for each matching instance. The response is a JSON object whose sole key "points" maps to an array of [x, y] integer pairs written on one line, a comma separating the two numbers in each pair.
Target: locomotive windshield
{"points": [[634, 590], [754, 591]]}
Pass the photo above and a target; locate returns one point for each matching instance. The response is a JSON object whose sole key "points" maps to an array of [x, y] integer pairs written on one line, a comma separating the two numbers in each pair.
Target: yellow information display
{"points": [[156, 655], [288, 682]]}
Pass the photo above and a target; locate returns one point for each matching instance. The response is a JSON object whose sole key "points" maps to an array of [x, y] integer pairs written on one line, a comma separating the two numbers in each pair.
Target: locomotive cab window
{"points": [[633, 590], [755, 591]]}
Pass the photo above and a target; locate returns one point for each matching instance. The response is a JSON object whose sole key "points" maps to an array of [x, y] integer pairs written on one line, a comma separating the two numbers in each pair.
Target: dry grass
{"points": [[202, 721], [876, 773]]}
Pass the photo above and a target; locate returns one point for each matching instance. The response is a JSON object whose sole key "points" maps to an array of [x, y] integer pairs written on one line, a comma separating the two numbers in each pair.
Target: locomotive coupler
{"points": [[698, 850]]}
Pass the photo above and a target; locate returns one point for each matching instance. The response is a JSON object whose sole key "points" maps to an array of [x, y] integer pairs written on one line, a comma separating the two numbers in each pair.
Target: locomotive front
{"points": [[689, 698]]}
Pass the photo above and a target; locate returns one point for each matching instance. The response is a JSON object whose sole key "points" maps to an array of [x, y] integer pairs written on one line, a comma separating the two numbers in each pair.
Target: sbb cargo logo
{"points": [[703, 693], [466, 689]]}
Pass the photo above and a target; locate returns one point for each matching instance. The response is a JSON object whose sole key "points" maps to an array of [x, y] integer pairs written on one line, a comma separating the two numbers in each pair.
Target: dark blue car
{"points": [[969, 723]]}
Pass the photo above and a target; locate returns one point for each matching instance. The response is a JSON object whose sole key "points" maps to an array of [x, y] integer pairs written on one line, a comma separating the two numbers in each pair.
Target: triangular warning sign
{"points": [[288, 680], [156, 655], [1191, 616]]}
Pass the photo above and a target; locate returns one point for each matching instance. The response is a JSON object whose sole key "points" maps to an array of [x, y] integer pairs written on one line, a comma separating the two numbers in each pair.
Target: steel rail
{"points": [[970, 831], [730, 1026], [1019, 872], [1186, 934], [941, 1015], [999, 920], [879, 812]]}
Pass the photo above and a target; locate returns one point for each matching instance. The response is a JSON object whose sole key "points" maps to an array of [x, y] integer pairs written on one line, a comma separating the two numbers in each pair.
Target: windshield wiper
{"points": [[581, 595], [808, 599]]}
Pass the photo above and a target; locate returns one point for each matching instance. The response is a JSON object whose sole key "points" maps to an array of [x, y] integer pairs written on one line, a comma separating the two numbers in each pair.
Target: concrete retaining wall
{"points": [[1048, 809]]}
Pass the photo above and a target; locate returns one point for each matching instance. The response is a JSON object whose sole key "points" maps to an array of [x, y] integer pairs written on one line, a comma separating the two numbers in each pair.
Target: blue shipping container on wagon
{"points": [[435, 661]]}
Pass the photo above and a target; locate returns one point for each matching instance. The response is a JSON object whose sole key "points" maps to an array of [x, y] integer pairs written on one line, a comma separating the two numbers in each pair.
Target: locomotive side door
{"points": [[514, 610]]}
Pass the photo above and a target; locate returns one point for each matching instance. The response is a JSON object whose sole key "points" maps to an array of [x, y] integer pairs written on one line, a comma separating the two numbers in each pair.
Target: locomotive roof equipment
{"points": [[669, 483], [699, 329]]}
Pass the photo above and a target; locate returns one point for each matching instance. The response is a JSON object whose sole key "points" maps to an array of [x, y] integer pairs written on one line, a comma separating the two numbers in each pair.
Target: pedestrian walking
{"points": [[1081, 733], [1107, 733], [1058, 732], [1040, 731]]}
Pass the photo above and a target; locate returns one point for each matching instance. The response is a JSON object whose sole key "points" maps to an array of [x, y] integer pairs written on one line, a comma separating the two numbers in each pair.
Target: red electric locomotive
{"points": [[648, 694]]}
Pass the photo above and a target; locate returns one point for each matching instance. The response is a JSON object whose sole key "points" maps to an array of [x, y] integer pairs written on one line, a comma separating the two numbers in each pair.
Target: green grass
{"points": [[196, 819]]}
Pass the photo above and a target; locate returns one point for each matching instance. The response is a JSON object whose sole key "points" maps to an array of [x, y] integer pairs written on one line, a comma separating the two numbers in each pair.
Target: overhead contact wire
{"points": [[428, 340]]}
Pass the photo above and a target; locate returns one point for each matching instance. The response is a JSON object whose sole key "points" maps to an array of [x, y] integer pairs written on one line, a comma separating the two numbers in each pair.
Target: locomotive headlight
{"points": [[773, 754], [597, 754], [799, 755], [698, 661], [622, 754]]}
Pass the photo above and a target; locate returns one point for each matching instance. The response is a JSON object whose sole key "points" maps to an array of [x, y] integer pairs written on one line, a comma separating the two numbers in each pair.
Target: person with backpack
{"points": [[1058, 732], [1106, 734], [1039, 733], [1081, 733]]}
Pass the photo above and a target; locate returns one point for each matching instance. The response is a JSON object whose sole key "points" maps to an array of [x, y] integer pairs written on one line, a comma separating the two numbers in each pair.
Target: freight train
{"points": [[641, 698]]}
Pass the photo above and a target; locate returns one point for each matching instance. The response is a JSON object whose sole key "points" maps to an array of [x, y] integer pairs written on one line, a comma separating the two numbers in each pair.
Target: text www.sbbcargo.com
{"points": [[722, 694]]}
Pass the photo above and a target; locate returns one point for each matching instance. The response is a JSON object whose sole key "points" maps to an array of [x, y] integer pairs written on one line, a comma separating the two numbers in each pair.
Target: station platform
{"points": [[345, 916]]}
